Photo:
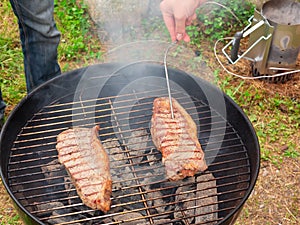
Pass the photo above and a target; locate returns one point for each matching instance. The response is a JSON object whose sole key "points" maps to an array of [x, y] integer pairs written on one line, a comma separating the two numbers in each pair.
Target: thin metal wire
{"points": [[167, 76]]}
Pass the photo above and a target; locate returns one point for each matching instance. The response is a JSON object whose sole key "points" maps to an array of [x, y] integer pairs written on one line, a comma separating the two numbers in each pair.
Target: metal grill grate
{"points": [[141, 193]]}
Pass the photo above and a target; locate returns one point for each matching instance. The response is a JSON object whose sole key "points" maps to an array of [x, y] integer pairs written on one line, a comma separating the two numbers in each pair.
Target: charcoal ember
{"points": [[138, 139], [116, 186], [20, 195], [131, 218], [124, 178], [150, 175], [116, 154], [162, 221], [45, 209], [107, 220], [74, 200], [159, 198], [158, 222], [154, 157], [155, 200], [125, 190], [179, 223], [185, 196], [122, 181], [137, 144], [145, 177], [59, 221], [128, 198], [58, 217], [197, 200], [207, 200], [53, 169], [54, 172], [69, 186]]}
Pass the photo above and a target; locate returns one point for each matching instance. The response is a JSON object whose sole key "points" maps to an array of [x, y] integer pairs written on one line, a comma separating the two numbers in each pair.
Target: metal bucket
{"points": [[274, 42]]}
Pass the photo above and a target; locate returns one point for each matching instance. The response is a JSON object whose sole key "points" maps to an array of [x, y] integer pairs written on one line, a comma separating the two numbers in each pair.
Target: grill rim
{"points": [[20, 111]]}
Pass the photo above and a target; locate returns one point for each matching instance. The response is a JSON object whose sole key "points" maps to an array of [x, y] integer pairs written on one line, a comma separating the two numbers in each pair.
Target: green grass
{"points": [[14, 220], [79, 43], [216, 21], [276, 118], [74, 23], [11, 64]]}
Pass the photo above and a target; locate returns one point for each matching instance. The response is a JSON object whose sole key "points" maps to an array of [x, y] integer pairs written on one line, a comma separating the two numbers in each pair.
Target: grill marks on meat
{"points": [[176, 139], [85, 159]]}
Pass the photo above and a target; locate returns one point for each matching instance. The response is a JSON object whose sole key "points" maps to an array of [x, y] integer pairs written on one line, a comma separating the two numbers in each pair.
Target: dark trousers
{"points": [[2, 106]]}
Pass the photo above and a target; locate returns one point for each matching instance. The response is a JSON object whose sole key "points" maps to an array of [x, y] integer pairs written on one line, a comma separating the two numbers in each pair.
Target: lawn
{"points": [[274, 109]]}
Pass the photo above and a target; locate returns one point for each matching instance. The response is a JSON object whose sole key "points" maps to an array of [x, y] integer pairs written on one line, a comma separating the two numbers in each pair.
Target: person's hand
{"points": [[177, 15]]}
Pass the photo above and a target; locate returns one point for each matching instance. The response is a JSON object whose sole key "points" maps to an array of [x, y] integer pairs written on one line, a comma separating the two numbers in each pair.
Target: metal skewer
{"points": [[167, 77]]}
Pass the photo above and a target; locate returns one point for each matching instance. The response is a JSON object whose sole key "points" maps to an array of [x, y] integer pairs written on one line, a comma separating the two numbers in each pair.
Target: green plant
{"points": [[275, 118], [216, 22], [14, 220], [12, 80], [74, 25], [292, 151], [154, 28]]}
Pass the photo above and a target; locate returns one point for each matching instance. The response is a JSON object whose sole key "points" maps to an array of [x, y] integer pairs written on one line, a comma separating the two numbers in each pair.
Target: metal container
{"points": [[274, 42]]}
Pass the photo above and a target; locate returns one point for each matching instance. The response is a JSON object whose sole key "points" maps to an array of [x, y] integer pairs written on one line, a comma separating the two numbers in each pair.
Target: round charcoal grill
{"points": [[119, 98]]}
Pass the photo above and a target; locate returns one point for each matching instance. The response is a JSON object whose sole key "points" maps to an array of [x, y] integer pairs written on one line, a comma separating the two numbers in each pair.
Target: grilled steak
{"points": [[176, 139], [85, 159]]}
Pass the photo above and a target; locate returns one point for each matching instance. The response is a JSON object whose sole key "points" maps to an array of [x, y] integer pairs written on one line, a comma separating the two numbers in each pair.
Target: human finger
{"points": [[186, 38], [180, 27], [168, 19], [190, 19], [170, 24]]}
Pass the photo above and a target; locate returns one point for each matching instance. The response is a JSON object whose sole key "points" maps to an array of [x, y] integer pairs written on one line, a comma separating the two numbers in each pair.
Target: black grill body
{"points": [[119, 99]]}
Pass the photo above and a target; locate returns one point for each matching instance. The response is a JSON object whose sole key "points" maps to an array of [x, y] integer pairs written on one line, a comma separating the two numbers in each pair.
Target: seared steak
{"points": [[85, 159], [176, 139]]}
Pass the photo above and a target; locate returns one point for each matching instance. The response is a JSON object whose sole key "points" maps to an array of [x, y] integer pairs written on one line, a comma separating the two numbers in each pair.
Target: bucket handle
{"points": [[235, 42]]}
